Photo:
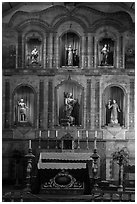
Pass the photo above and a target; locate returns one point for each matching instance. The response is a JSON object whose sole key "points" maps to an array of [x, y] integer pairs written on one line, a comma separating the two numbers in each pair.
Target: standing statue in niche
{"points": [[105, 51], [34, 55], [22, 110], [108, 112], [71, 107], [69, 55], [114, 112]]}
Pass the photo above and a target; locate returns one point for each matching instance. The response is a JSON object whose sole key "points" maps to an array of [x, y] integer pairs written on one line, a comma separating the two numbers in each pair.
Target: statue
{"points": [[108, 112], [34, 55], [70, 104], [22, 110], [114, 112], [69, 55], [105, 51]]}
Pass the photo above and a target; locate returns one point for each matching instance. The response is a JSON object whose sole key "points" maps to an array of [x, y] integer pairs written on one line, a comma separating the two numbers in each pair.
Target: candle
{"points": [[95, 134], [78, 133], [40, 133], [95, 144], [56, 133], [48, 133], [87, 133], [29, 144]]}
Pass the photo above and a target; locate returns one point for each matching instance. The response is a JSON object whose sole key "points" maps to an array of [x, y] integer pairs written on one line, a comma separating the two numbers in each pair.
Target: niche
{"points": [[117, 94], [23, 105], [70, 49], [69, 106], [33, 52], [106, 52]]}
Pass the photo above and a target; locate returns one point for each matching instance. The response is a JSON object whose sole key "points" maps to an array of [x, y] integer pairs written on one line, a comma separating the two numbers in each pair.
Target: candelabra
{"points": [[29, 157]]}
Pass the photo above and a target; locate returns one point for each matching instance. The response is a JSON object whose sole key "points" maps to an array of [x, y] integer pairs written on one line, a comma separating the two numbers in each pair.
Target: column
{"points": [[50, 102], [50, 49], [41, 103], [90, 54], [56, 53], [19, 50], [88, 104], [7, 103], [123, 52], [95, 52], [118, 53], [97, 104], [131, 103], [83, 52], [45, 52]]}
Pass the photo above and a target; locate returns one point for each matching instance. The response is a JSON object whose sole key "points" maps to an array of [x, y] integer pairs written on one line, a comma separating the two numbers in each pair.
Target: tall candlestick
{"points": [[29, 144], [40, 133], [78, 133], [56, 133], [87, 133], [48, 133]]}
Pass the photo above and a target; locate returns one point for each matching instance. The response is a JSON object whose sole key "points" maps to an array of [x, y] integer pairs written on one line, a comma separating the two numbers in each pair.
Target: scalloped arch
{"points": [[73, 19]]}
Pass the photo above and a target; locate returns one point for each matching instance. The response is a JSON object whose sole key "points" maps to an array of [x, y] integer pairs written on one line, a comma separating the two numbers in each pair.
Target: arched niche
{"points": [[114, 92], [69, 49], [110, 36], [69, 86], [33, 48], [106, 52], [27, 94]]}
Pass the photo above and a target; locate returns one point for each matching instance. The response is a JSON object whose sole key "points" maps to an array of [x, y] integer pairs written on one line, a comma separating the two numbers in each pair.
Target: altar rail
{"points": [[98, 196]]}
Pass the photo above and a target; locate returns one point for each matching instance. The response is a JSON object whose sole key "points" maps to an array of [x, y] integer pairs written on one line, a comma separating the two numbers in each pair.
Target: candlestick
{"points": [[48, 133], [87, 133], [78, 133], [29, 144], [40, 133]]}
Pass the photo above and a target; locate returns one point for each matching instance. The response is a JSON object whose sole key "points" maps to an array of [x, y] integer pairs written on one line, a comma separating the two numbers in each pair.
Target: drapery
{"points": [[25, 93]]}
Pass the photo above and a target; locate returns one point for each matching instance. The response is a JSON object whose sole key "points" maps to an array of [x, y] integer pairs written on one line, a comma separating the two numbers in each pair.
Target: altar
{"points": [[64, 172]]}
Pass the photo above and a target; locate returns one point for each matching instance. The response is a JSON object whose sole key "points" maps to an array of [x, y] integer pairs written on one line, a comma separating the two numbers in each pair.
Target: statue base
{"points": [[113, 125]]}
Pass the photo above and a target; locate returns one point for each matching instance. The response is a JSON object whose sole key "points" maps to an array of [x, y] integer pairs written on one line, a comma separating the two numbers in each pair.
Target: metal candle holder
{"points": [[95, 157], [29, 157]]}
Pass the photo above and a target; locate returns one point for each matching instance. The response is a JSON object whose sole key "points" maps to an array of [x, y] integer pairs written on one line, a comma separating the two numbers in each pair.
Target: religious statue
{"points": [[114, 112], [105, 51], [69, 55], [22, 110], [34, 55], [108, 112], [70, 106]]}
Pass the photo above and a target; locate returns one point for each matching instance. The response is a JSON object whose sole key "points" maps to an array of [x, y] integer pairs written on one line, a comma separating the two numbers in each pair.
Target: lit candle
{"points": [[56, 133], [78, 133], [95, 144], [40, 133], [48, 133], [29, 144], [87, 133]]}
